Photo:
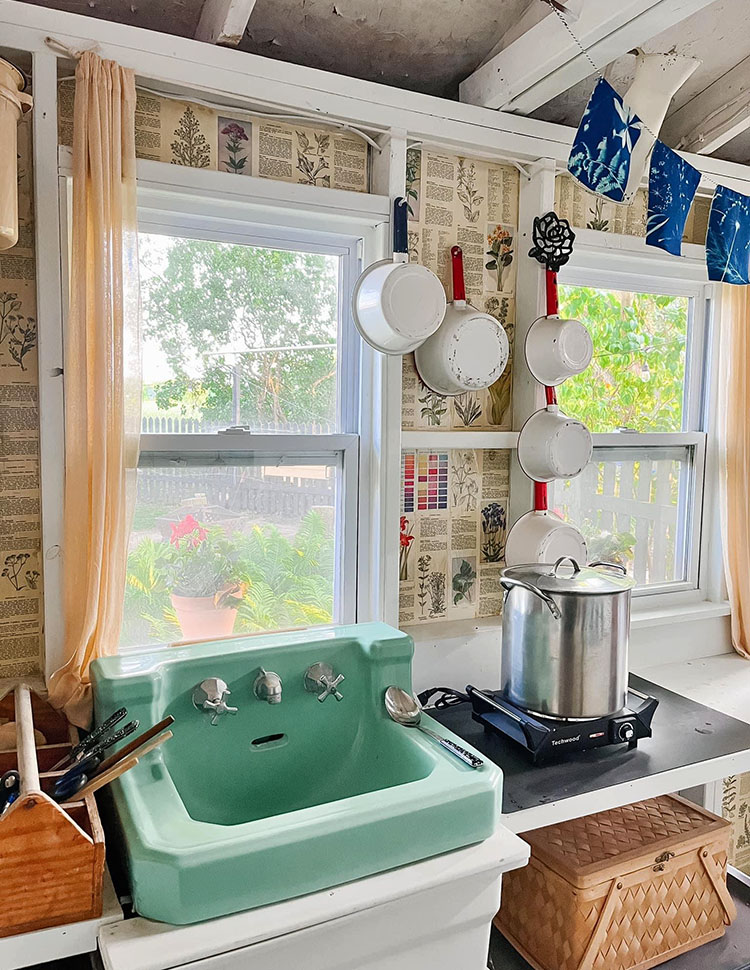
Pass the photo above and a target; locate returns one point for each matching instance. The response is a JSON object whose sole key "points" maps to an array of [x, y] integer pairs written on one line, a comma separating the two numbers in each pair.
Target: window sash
{"points": [[341, 451]]}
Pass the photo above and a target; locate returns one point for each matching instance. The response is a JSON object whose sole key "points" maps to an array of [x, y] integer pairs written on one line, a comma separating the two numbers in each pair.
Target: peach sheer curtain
{"points": [[734, 389], [102, 376]]}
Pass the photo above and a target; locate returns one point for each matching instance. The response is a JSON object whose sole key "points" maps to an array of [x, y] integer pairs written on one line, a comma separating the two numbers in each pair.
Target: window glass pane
{"points": [[634, 507], [221, 548], [237, 335], [637, 377]]}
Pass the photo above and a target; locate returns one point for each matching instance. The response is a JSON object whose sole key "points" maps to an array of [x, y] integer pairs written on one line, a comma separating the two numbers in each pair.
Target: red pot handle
{"points": [[457, 263], [553, 306], [540, 496]]}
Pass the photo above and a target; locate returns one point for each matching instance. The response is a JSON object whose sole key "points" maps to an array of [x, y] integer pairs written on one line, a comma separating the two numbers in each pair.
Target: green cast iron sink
{"points": [[281, 800]]}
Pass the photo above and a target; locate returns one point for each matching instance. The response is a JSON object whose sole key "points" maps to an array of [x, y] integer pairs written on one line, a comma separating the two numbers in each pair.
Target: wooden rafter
{"points": [[224, 21], [545, 60], [713, 117]]}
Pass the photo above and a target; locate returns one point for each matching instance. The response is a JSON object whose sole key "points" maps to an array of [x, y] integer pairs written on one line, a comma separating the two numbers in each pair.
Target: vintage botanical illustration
{"points": [[597, 220], [405, 543], [493, 532], [413, 176], [16, 329], [601, 152], [190, 146], [435, 406], [467, 407], [413, 245], [14, 572], [464, 580], [436, 592], [311, 158], [236, 147], [500, 253], [423, 568], [500, 399], [467, 192], [464, 482]]}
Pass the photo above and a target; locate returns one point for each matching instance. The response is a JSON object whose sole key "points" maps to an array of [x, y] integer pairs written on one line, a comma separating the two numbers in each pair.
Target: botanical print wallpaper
{"points": [[20, 540], [474, 204], [735, 806], [586, 210], [184, 133], [453, 525]]}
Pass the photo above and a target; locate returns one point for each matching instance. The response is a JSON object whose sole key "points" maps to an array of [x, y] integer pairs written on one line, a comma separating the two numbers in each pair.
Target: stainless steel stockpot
{"points": [[565, 638]]}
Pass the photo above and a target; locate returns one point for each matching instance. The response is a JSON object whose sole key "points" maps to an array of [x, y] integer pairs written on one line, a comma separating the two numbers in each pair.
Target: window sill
{"points": [[721, 682], [669, 615]]}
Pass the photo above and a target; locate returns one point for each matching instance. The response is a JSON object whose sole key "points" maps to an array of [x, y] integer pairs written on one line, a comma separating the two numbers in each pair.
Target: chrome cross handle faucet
{"points": [[320, 680], [210, 695]]}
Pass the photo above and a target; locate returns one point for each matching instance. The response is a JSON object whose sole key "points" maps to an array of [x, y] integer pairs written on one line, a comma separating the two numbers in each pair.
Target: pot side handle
{"points": [[508, 584]]}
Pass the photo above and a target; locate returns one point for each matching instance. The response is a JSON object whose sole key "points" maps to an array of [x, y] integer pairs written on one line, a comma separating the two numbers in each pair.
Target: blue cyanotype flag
{"points": [[728, 237], [600, 156], [672, 184]]}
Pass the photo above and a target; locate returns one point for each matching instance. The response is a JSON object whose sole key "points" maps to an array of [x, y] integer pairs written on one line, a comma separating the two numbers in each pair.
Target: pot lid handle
{"points": [[571, 560], [609, 565]]}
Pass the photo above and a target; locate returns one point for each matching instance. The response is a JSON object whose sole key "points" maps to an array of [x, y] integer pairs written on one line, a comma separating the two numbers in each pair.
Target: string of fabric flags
{"points": [[601, 159]]}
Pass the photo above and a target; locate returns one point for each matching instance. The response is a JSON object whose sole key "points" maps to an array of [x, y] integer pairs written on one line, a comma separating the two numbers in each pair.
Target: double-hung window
{"points": [[640, 500], [247, 487]]}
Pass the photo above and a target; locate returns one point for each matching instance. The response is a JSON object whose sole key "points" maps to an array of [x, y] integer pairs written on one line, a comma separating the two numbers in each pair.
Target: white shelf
{"points": [[59, 942], [459, 439]]}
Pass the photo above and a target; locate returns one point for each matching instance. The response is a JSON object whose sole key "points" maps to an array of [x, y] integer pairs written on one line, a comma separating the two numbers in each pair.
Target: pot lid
{"points": [[566, 576]]}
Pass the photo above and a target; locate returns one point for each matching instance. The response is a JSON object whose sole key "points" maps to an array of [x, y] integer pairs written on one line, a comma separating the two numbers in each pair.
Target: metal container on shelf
{"points": [[565, 638]]}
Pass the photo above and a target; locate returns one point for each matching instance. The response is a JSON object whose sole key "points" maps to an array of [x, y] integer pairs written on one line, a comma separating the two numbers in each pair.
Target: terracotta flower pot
{"points": [[200, 618]]}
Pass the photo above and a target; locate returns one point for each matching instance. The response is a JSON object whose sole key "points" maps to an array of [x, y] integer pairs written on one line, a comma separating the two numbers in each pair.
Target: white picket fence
{"points": [[167, 425], [636, 497]]}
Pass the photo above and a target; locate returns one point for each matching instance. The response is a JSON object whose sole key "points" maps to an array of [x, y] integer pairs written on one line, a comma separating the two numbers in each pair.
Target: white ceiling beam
{"points": [[715, 116], [224, 21], [545, 60]]}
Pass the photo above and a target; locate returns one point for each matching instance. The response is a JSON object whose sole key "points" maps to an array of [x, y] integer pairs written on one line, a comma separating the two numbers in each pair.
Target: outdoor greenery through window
{"points": [[635, 501], [228, 536], [636, 379], [235, 334]]}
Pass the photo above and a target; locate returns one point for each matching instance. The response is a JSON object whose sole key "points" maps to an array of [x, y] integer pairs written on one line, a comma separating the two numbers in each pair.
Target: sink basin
{"points": [[286, 799]]}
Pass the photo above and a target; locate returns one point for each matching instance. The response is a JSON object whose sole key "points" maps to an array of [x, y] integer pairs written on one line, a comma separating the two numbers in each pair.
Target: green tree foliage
{"points": [[637, 375], [202, 299]]}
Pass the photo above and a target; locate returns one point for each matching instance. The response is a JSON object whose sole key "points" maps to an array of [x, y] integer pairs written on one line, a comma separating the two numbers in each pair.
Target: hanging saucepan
{"points": [[470, 349], [397, 304], [542, 536], [553, 446]]}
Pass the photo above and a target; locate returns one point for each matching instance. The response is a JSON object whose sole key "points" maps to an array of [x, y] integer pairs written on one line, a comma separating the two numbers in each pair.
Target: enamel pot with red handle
{"points": [[469, 351]]}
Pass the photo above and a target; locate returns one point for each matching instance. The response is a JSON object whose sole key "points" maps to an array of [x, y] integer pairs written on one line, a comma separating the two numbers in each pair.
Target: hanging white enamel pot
{"points": [[542, 536], [470, 349], [553, 446], [557, 348], [14, 103], [397, 304]]}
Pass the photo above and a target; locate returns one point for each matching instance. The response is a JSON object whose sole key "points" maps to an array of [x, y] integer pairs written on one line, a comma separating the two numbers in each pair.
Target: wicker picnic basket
{"points": [[620, 890]]}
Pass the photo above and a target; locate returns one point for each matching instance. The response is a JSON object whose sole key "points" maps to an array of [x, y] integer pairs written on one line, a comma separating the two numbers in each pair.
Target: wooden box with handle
{"points": [[51, 855], [625, 889]]}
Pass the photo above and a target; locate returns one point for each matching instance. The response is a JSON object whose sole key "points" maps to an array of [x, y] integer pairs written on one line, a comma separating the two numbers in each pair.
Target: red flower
{"points": [[406, 538], [235, 131], [189, 526]]}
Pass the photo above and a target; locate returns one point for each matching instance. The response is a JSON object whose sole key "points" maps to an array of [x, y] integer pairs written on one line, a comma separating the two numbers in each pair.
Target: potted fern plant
{"points": [[200, 569]]}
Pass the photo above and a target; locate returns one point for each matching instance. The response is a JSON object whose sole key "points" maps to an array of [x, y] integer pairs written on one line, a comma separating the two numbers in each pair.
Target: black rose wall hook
{"points": [[553, 241]]}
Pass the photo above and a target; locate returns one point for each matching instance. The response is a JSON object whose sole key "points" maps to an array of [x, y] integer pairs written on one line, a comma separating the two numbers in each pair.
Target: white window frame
{"points": [[215, 205], [643, 272]]}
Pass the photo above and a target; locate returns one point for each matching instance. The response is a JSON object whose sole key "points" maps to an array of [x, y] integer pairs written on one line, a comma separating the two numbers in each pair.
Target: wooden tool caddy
{"points": [[51, 855]]}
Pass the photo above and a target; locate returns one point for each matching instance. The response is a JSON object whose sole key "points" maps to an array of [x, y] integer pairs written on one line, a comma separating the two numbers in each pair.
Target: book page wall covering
{"points": [[735, 806], [471, 203], [184, 133], [454, 507], [454, 502], [586, 210], [20, 536]]}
